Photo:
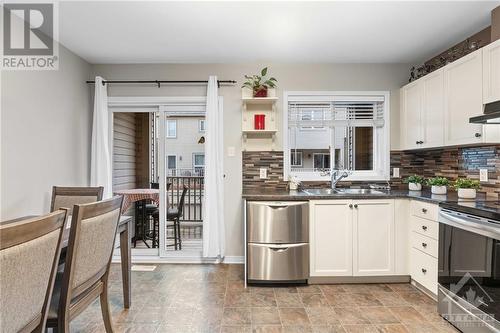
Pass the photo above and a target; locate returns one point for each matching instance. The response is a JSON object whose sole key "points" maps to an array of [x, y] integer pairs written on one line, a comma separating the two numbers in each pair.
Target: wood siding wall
{"points": [[124, 151], [142, 150]]}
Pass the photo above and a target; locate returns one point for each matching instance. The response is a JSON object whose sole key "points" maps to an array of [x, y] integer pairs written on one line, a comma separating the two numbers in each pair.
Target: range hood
{"points": [[491, 114]]}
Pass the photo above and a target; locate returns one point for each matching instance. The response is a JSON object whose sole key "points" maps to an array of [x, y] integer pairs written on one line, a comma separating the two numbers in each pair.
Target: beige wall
{"points": [[290, 77], [46, 132]]}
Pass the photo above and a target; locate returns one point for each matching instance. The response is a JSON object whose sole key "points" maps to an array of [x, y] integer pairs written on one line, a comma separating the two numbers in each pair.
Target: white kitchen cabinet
{"points": [[463, 95], [352, 238], [411, 108], [423, 112], [491, 72], [432, 118], [373, 243], [330, 238]]}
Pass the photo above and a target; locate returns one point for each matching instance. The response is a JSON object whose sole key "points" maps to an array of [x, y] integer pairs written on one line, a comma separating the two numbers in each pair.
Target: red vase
{"points": [[260, 121], [260, 92]]}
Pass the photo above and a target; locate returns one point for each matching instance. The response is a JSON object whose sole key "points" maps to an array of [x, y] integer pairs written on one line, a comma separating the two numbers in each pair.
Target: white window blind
{"points": [[360, 112]]}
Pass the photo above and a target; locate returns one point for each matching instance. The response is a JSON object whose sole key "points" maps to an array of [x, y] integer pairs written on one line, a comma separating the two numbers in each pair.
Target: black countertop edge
{"points": [[426, 196]]}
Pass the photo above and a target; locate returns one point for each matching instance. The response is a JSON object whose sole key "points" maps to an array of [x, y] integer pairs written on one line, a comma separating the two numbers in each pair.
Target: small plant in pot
{"points": [[438, 185], [466, 187], [259, 84], [414, 182]]}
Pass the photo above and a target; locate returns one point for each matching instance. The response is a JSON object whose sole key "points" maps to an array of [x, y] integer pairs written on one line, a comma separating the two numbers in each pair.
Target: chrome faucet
{"points": [[335, 177]]}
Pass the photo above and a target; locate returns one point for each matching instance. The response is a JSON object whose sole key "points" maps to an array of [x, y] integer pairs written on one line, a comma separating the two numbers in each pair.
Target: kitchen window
{"points": [[172, 129], [336, 130]]}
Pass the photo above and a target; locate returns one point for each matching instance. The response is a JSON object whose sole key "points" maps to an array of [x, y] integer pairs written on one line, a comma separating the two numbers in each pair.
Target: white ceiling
{"points": [[231, 32]]}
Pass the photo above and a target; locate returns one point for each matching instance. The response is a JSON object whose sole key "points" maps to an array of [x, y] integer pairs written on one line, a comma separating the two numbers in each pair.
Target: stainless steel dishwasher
{"points": [[277, 241]]}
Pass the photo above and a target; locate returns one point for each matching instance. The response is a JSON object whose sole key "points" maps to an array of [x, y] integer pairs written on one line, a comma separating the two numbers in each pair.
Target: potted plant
{"points": [[415, 182], [438, 185], [466, 187], [259, 84]]}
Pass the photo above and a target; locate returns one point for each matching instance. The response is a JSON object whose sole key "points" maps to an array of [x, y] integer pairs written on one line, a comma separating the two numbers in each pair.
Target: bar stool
{"points": [[174, 215]]}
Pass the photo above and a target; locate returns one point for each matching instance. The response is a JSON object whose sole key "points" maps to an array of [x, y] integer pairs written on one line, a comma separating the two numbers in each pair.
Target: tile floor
{"points": [[211, 298]]}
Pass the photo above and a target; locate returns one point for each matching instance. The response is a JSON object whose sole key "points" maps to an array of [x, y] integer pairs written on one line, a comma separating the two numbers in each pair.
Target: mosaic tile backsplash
{"points": [[452, 162]]}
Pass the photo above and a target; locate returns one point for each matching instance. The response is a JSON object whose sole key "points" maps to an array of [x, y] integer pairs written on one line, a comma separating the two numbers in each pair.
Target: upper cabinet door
{"points": [[433, 109], [491, 72], [463, 81], [374, 240], [412, 106]]}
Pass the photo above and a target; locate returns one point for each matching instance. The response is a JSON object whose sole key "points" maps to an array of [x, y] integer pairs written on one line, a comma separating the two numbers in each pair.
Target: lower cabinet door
{"points": [[278, 262], [374, 241], [331, 237]]}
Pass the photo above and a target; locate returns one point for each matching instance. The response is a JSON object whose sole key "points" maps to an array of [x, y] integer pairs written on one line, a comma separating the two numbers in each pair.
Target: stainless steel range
{"points": [[469, 265]]}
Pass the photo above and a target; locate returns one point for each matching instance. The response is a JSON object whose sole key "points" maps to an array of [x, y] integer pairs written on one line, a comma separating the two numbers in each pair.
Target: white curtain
{"points": [[213, 223], [100, 160]]}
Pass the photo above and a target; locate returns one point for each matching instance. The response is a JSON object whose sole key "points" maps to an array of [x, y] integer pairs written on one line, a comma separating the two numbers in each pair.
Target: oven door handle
{"points": [[469, 225]]}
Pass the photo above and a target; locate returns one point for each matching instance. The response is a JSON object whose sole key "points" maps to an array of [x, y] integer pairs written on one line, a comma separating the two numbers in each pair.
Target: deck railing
{"points": [[192, 217]]}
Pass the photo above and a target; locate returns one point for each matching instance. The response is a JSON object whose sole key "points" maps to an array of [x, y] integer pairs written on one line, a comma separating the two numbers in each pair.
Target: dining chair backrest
{"points": [[67, 197], [29, 254], [180, 206], [90, 247]]}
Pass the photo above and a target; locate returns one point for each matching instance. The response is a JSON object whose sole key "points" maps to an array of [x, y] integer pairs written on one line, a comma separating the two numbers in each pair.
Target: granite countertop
{"points": [[261, 195]]}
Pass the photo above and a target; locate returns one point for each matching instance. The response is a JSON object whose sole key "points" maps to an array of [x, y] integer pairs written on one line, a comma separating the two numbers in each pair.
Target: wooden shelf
{"points": [[260, 100], [259, 132]]}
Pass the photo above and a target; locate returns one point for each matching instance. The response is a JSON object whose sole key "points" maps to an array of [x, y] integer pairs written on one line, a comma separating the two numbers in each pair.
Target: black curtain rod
{"points": [[160, 82]]}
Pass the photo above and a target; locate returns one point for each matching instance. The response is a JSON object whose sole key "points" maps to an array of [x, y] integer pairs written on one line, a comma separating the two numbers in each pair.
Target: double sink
{"points": [[337, 191]]}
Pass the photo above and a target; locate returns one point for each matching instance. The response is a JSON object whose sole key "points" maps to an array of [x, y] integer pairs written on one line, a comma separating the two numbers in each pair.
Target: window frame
{"points": [[381, 144], [322, 154], [298, 153], [194, 160], [200, 121], [172, 155], [167, 132]]}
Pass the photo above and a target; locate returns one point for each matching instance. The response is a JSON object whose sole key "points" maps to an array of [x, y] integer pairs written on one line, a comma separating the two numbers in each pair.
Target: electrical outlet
{"points": [[395, 172], [263, 173], [231, 151], [483, 175]]}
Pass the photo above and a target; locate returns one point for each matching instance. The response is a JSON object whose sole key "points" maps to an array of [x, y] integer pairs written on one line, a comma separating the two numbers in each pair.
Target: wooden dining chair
{"points": [[85, 277], [29, 253], [67, 197]]}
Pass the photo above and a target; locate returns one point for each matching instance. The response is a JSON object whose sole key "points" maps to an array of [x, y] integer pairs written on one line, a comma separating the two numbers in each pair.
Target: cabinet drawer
{"points": [[424, 269], [424, 210], [278, 222], [424, 244], [278, 262], [425, 227]]}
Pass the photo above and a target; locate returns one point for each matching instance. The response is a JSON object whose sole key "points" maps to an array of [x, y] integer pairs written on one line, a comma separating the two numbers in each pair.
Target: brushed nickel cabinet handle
{"points": [[350, 206], [424, 227], [424, 270], [355, 205], [424, 244], [424, 210], [478, 135]]}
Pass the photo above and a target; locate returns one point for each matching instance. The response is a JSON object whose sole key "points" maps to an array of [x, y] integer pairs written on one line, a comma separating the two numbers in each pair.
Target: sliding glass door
{"points": [[182, 157]]}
